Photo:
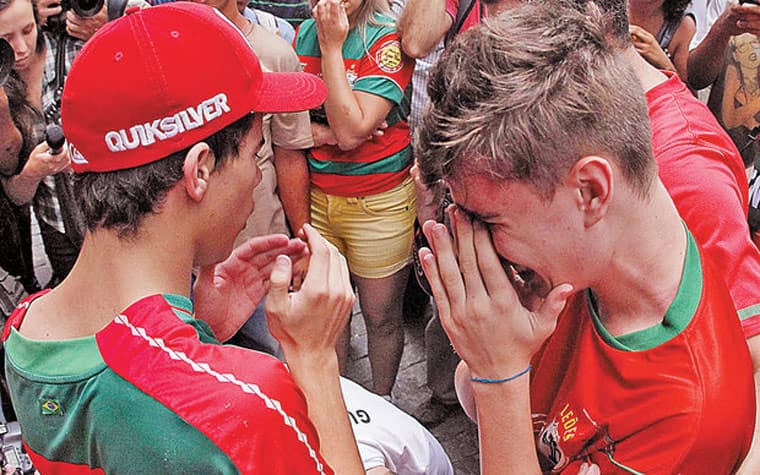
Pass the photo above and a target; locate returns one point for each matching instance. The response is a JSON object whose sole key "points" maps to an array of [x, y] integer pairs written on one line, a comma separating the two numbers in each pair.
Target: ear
{"points": [[592, 179], [199, 163]]}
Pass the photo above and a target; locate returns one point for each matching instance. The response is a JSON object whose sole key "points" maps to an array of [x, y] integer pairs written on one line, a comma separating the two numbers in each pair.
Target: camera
{"points": [[12, 450], [83, 8], [7, 60]]}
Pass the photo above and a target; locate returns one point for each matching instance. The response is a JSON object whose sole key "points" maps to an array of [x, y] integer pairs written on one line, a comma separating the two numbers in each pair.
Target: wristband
{"points": [[491, 381]]}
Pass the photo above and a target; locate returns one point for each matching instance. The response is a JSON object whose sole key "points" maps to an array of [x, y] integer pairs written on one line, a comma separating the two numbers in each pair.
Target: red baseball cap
{"points": [[164, 78]]}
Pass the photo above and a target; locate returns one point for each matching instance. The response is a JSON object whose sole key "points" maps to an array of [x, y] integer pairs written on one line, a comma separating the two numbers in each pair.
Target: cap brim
{"points": [[290, 92]]}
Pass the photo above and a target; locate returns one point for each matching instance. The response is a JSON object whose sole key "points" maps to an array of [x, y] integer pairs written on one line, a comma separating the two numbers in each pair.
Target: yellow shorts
{"points": [[374, 232]]}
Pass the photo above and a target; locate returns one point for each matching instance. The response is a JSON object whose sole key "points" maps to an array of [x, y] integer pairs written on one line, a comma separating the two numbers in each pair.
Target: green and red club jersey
{"points": [[154, 392], [674, 398], [376, 66]]}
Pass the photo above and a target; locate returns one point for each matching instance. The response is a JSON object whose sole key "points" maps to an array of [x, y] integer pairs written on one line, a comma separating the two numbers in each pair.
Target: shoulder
{"points": [[306, 37], [273, 51], [381, 27]]}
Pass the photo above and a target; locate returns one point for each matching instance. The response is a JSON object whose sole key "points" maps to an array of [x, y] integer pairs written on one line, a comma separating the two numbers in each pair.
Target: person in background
{"points": [[273, 24], [390, 441], [661, 33], [362, 197], [724, 56]]}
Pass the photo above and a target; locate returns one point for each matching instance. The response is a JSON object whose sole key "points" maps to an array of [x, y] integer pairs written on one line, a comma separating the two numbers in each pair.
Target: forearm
{"points": [[706, 60], [21, 188], [344, 113], [318, 378], [505, 429], [422, 26], [293, 185]]}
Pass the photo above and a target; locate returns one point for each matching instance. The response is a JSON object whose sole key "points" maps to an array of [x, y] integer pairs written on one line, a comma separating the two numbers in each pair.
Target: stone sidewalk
{"points": [[458, 434]]}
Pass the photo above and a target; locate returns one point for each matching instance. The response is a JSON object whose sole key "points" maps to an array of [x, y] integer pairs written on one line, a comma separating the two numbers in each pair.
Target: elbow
{"points": [[348, 140], [415, 49], [346, 145]]}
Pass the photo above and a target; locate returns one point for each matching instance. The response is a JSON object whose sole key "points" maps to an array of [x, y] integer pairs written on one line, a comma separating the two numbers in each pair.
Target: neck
{"points": [[237, 18], [639, 282], [648, 75], [641, 12], [114, 273]]}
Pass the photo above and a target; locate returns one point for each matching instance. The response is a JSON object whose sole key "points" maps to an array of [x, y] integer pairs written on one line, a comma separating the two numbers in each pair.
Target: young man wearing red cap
{"points": [[110, 372]]}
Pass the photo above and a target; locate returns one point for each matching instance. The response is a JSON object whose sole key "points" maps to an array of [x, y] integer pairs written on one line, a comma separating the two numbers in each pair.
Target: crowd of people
{"points": [[237, 175]]}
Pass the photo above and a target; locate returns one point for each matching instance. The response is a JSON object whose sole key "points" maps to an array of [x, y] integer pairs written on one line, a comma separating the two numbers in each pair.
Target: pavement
{"points": [[457, 433]]}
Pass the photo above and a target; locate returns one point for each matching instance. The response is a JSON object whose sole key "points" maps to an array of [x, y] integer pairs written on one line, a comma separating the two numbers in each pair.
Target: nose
{"points": [[19, 47]]}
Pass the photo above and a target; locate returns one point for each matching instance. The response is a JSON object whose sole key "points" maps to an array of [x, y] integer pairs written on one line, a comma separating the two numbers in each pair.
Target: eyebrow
{"points": [[474, 214]]}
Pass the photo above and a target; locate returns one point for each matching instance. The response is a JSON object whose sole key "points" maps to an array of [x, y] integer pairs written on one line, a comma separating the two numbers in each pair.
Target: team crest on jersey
{"points": [[388, 57], [551, 456], [570, 434], [51, 407]]}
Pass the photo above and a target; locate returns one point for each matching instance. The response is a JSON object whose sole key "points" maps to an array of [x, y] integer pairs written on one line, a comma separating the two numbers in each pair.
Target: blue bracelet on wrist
{"points": [[491, 381]]}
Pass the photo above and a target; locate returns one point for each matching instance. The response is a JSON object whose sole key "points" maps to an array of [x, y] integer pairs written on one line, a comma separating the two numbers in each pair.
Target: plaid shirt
{"points": [[46, 203]]}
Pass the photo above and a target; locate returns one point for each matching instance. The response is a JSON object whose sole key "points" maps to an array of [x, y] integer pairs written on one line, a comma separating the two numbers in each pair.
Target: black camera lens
{"points": [[7, 60], [86, 8]]}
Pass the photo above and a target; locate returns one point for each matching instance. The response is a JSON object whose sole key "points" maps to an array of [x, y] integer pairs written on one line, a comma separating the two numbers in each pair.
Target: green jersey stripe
{"points": [[393, 163]]}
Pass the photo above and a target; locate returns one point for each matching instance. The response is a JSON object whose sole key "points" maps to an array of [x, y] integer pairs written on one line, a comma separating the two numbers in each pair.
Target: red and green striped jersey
{"points": [[674, 398], [154, 392], [377, 66]]}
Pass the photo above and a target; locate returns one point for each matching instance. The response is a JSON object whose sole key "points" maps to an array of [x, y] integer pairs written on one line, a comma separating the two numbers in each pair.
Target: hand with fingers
{"points": [[478, 306], [42, 162], [332, 24], [84, 28], [227, 293], [308, 322], [47, 9], [649, 49], [742, 18]]}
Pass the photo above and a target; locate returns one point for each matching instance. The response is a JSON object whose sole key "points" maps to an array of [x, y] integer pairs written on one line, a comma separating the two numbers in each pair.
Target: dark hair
{"points": [[616, 12], [26, 117], [525, 95], [673, 10], [120, 199]]}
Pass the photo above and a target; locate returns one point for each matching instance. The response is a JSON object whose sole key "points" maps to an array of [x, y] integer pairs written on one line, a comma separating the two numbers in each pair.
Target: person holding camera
{"points": [[42, 59]]}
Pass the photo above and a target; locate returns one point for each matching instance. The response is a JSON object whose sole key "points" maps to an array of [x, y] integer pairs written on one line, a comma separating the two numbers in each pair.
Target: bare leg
{"points": [[344, 341], [381, 301]]}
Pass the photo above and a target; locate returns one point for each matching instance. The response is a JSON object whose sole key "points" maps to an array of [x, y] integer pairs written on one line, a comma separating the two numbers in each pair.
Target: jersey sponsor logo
{"points": [[167, 127], [388, 57]]}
